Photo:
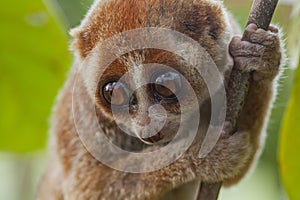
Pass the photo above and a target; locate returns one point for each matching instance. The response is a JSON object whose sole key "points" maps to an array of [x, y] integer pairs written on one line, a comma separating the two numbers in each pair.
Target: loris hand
{"points": [[259, 52]]}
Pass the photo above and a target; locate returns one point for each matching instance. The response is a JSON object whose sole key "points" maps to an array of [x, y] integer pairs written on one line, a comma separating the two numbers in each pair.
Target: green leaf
{"points": [[289, 161], [33, 61], [289, 144], [71, 12]]}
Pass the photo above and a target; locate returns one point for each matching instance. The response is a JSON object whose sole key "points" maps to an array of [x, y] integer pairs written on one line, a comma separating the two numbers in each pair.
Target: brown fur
{"points": [[193, 19], [73, 173]]}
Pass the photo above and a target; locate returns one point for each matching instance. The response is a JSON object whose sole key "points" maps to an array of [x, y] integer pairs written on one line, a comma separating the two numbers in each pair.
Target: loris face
{"points": [[147, 94]]}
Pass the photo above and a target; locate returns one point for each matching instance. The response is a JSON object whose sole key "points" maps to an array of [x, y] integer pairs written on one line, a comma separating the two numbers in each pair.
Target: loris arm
{"points": [[265, 49], [261, 13], [261, 53]]}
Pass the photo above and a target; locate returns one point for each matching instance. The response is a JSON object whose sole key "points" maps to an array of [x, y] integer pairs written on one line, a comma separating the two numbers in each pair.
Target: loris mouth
{"points": [[153, 139]]}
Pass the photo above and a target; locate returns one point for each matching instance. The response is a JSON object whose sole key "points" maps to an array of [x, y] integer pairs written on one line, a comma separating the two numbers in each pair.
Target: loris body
{"points": [[73, 173]]}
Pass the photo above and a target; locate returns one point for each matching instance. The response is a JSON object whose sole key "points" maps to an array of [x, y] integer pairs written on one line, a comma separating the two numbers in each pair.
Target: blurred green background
{"points": [[34, 61]]}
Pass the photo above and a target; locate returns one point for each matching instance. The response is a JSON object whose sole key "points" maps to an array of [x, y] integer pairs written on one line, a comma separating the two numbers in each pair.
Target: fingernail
{"points": [[252, 26]]}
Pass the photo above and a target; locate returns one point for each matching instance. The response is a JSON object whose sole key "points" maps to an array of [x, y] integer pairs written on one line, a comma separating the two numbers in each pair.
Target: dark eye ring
{"points": [[167, 85], [115, 93]]}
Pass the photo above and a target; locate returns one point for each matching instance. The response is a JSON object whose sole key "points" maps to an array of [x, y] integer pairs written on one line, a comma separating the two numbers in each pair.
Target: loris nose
{"points": [[143, 119], [149, 123], [138, 108], [145, 131]]}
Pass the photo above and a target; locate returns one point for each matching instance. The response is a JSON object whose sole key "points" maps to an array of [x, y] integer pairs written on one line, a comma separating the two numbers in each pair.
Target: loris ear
{"points": [[82, 47], [78, 45], [83, 41]]}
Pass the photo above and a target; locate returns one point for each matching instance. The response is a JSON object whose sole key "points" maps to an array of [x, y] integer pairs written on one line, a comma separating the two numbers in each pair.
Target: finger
{"points": [[273, 29], [249, 30], [246, 64], [263, 37], [245, 48]]}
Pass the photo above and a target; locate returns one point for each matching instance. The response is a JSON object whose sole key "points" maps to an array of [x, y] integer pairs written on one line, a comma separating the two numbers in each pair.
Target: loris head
{"points": [[135, 89]]}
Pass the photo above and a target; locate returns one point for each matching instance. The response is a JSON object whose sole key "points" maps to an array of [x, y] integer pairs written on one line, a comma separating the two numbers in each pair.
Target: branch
{"points": [[261, 14]]}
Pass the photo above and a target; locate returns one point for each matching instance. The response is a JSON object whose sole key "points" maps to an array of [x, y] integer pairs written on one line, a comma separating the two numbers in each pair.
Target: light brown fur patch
{"points": [[196, 19]]}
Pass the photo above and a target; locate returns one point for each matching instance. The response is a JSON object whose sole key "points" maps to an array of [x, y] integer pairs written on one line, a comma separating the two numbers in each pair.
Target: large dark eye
{"points": [[115, 93], [167, 85]]}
